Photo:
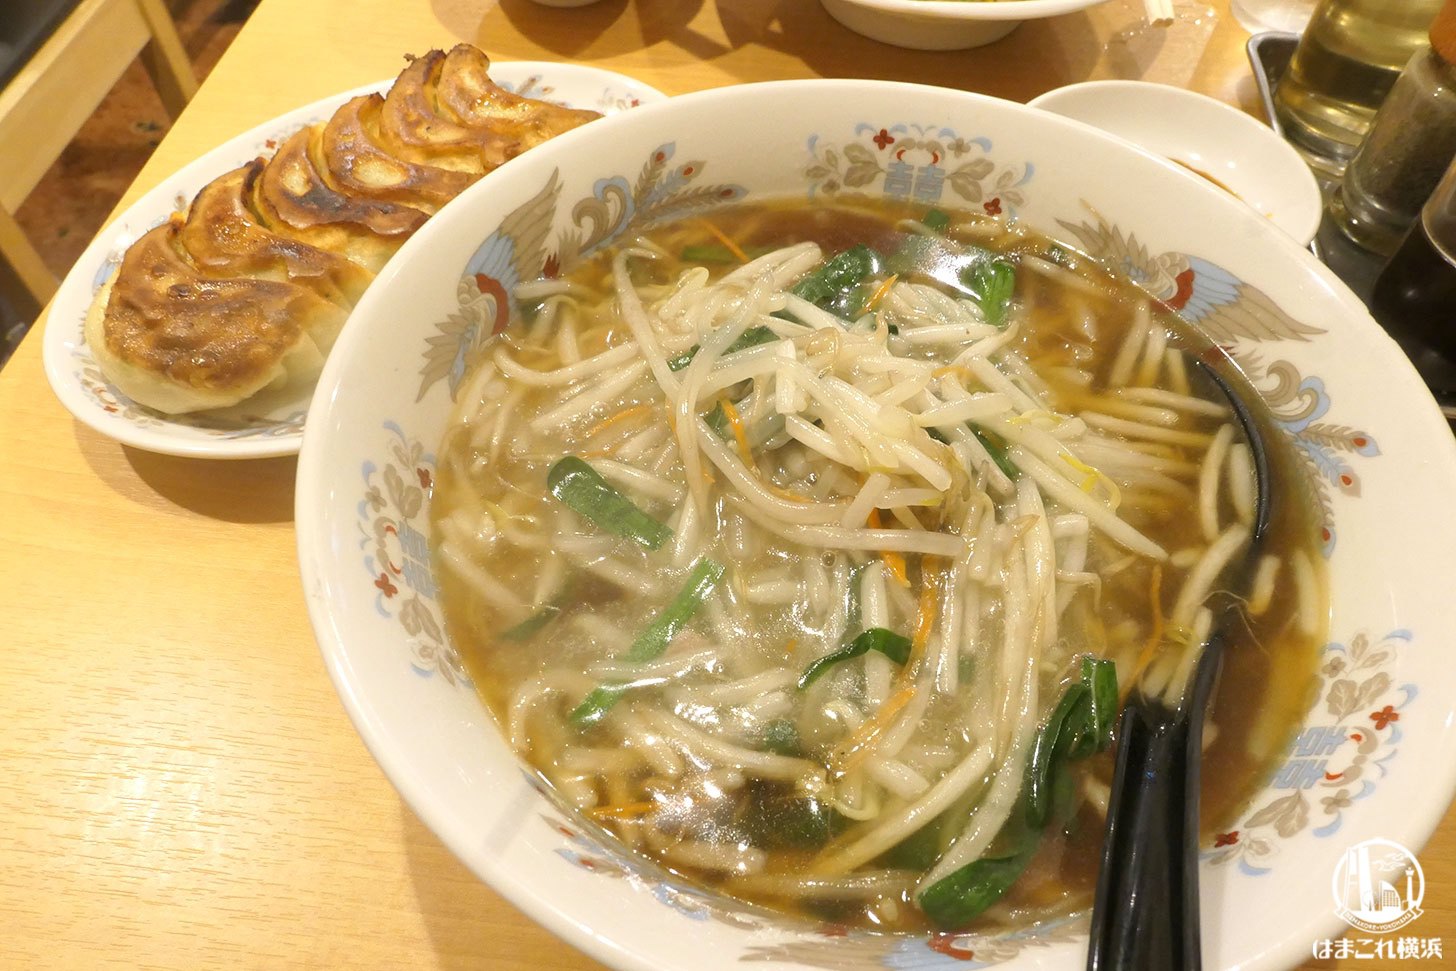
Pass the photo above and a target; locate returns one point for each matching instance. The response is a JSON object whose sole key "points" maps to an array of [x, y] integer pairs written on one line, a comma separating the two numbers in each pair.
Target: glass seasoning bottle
{"points": [[1346, 62], [1410, 144], [1255, 16], [1415, 295]]}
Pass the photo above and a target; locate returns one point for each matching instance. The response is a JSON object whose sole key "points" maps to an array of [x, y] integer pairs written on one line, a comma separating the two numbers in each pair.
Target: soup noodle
{"points": [[789, 565]]}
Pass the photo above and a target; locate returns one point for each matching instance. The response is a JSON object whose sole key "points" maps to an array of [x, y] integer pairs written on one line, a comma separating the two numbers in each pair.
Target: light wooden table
{"points": [[181, 788]]}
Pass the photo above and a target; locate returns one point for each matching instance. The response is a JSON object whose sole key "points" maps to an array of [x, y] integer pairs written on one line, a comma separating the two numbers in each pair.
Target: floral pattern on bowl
{"points": [[394, 528], [908, 162], [1304, 342], [1344, 749]]}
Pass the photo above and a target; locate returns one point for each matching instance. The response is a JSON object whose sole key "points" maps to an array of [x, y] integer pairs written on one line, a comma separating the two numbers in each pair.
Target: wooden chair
{"points": [[47, 101]]}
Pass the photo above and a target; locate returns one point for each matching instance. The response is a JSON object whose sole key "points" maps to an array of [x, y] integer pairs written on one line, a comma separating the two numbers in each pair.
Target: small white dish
{"points": [[261, 427], [943, 25], [1214, 140]]}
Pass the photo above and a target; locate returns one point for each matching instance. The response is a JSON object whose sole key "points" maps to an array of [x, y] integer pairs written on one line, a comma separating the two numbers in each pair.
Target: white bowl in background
{"points": [[1216, 140], [944, 25], [1376, 754]]}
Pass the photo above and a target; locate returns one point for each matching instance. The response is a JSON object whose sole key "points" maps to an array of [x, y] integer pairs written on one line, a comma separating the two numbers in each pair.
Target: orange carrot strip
{"points": [[848, 752], [1155, 639], [622, 415], [630, 810], [722, 237], [925, 619], [881, 291], [893, 559], [739, 435], [783, 493]]}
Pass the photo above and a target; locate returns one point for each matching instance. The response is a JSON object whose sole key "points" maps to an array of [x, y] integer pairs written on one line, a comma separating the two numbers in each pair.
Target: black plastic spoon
{"points": [[1145, 916]]}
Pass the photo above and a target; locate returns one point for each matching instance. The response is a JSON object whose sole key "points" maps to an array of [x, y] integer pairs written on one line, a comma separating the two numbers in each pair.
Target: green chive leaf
{"points": [[838, 278], [992, 283], [955, 900], [702, 578], [752, 337], [892, 645], [1068, 722], [584, 490], [995, 446], [528, 627]]}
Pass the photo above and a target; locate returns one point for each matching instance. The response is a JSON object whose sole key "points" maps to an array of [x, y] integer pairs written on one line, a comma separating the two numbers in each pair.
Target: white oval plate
{"points": [[266, 427], [1203, 134]]}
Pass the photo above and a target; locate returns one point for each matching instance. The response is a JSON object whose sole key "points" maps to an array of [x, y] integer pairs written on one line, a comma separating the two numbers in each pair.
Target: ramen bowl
{"points": [[943, 25], [1373, 756]]}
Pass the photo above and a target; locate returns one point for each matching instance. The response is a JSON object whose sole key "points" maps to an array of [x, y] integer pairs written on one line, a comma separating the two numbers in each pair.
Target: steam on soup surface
{"points": [[819, 581]]}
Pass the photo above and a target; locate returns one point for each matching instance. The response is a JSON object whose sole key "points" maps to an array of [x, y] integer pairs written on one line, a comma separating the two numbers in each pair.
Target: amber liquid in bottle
{"points": [[1415, 301], [1350, 55]]}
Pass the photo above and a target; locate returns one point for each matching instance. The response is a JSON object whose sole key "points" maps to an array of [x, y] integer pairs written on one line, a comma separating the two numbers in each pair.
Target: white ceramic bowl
{"points": [[944, 25], [1204, 134], [1376, 757]]}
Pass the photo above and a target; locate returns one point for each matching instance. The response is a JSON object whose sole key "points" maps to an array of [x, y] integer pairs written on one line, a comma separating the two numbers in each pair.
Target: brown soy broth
{"points": [[1268, 676], [1267, 683]]}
